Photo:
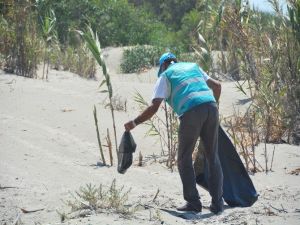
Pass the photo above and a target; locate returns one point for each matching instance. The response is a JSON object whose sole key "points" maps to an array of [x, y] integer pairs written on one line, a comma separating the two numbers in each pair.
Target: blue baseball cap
{"points": [[163, 58]]}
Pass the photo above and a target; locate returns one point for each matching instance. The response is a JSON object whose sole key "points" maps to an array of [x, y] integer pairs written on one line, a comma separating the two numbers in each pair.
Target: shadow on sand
{"points": [[188, 215], [191, 215]]}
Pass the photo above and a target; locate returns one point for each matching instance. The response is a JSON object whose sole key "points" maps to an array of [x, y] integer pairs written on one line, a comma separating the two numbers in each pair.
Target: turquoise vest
{"points": [[188, 87]]}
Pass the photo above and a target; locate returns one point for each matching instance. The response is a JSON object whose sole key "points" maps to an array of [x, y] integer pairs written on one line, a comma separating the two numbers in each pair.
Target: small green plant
{"points": [[96, 199]]}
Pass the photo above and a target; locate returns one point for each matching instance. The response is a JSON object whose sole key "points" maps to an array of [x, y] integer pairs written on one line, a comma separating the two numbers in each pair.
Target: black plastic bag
{"points": [[238, 189], [126, 149]]}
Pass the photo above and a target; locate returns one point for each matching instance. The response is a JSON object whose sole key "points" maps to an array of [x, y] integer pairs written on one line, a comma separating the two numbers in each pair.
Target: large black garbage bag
{"points": [[126, 149], [238, 189]]}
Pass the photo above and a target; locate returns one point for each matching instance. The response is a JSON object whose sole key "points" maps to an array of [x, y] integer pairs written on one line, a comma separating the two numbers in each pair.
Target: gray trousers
{"points": [[201, 121]]}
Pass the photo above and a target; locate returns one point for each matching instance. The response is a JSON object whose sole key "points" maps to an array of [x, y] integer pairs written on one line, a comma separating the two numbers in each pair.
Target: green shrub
{"points": [[116, 22], [139, 58]]}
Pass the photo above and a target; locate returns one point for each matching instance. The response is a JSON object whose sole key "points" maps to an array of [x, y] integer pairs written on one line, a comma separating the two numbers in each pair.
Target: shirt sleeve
{"points": [[205, 76], [161, 88]]}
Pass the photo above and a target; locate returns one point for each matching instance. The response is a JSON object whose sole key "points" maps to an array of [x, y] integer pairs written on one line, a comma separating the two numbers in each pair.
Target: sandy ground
{"points": [[48, 148]]}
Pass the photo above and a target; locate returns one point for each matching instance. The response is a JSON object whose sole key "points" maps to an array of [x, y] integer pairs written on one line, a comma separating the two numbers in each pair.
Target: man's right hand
{"points": [[129, 125], [145, 115]]}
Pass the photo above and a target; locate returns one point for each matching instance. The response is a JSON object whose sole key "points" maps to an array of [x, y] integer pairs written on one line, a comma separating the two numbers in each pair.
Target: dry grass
{"points": [[247, 131], [76, 60], [119, 103], [295, 172]]}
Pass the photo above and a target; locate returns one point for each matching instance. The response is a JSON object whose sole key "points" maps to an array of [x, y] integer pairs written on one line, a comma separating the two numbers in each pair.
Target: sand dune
{"points": [[48, 148]]}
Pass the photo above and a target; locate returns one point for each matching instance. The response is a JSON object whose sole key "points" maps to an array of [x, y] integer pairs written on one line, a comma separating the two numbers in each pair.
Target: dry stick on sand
{"points": [[6, 187], [268, 125], [109, 145], [30, 211], [266, 157], [98, 136], [251, 131], [171, 143], [155, 196], [140, 163], [272, 159], [167, 126], [279, 210]]}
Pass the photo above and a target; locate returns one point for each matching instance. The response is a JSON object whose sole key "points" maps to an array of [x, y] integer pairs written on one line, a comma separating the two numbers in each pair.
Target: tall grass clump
{"points": [[263, 52], [20, 45], [78, 60], [270, 64]]}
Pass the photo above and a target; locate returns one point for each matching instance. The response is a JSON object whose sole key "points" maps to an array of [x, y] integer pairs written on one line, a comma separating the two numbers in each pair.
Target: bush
{"points": [[118, 23], [140, 58]]}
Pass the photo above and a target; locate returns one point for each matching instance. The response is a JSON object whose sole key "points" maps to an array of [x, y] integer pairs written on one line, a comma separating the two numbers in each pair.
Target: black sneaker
{"points": [[216, 209], [191, 207]]}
